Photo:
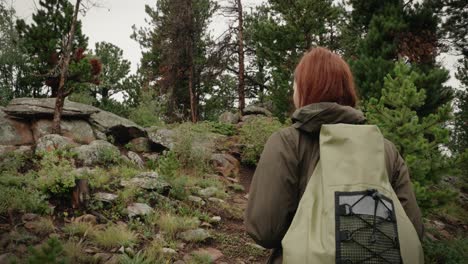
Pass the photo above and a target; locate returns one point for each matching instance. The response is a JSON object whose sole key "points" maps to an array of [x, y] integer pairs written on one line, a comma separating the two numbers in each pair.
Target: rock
{"points": [[225, 164], [105, 197], [439, 224], [138, 209], [147, 183], [208, 192], [6, 149], [87, 218], [148, 174], [196, 200], [44, 107], [216, 219], [5, 258], [168, 251], [248, 118], [121, 129], [164, 137], [229, 118], [79, 131], [14, 132], [102, 257], [179, 262], [97, 152], [256, 246], [256, 110], [151, 156], [208, 142], [24, 150], [115, 259], [135, 159], [196, 235], [53, 142], [28, 217], [216, 200], [141, 144], [214, 253]]}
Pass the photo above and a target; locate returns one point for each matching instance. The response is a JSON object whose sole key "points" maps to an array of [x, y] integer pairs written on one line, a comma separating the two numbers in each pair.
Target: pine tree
{"points": [[114, 71], [278, 34], [176, 61], [418, 139], [381, 32], [43, 41]]}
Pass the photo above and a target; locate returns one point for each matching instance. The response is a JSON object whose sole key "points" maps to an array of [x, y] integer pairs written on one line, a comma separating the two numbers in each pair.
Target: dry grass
{"points": [[114, 236]]}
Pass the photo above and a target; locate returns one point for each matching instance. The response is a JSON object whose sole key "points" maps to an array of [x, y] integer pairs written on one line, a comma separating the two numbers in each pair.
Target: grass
{"points": [[173, 224], [200, 258], [76, 253], [43, 226], [78, 229], [114, 236], [447, 252]]}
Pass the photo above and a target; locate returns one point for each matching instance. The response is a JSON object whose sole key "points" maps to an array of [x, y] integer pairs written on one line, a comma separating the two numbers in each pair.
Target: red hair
{"points": [[323, 76]]}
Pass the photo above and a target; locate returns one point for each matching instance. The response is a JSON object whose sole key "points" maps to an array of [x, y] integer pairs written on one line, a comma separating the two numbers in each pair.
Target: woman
{"points": [[324, 93]]}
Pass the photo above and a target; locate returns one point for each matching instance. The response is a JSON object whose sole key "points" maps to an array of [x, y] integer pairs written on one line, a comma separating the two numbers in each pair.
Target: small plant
{"points": [[51, 252], [172, 224], [108, 156], [56, 174], [12, 162], [168, 165], [237, 187], [22, 199], [98, 178], [78, 229], [201, 258], [254, 135], [75, 253], [448, 252], [43, 226], [138, 258], [114, 236]]}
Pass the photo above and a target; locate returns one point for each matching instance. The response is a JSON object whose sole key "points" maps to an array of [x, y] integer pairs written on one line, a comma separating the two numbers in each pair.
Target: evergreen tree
{"points": [[278, 34], [114, 70], [176, 59], [381, 32], [43, 41], [418, 139], [14, 80]]}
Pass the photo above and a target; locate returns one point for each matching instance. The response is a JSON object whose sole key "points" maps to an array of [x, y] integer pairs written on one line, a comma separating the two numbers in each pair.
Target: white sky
{"points": [[112, 22]]}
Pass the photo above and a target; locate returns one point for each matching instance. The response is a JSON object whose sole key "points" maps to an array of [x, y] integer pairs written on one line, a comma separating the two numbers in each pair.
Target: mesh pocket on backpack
{"points": [[366, 228]]}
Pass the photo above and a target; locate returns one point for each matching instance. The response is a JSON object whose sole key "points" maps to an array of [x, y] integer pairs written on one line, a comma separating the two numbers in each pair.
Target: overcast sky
{"points": [[112, 22]]}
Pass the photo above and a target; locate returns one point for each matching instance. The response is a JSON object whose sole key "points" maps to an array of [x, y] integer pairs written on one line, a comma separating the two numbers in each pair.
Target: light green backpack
{"points": [[349, 212]]}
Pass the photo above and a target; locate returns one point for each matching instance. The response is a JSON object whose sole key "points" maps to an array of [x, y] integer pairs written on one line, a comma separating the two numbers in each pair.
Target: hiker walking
{"points": [[329, 188]]}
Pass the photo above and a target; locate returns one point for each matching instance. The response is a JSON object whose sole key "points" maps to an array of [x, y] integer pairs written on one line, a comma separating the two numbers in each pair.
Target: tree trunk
{"points": [[190, 44], [61, 93], [241, 87]]}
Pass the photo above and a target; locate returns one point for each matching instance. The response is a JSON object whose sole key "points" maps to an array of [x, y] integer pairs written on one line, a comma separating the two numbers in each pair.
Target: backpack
{"points": [[349, 212]]}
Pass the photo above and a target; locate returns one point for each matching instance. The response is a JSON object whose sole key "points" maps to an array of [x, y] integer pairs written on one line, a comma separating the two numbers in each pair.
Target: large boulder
{"points": [[14, 132], [121, 129], [164, 137], [53, 142], [97, 152], [256, 110], [44, 107], [229, 118], [78, 130], [225, 164]]}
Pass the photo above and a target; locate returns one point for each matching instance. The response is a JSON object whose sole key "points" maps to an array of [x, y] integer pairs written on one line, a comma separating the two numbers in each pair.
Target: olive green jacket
{"points": [[288, 161]]}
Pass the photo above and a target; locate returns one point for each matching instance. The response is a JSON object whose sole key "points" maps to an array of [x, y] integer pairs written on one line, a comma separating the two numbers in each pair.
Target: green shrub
{"points": [[57, 173], [50, 252], [12, 162], [22, 199], [447, 252], [78, 229], [168, 164], [173, 224], [149, 111], [254, 135]]}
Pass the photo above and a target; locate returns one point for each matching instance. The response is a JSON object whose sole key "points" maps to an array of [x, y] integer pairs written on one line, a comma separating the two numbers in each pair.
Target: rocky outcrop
{"points": [[97, 152], [14, 132], [79, 131], [256, 110], [164, 137], [44, 107], [53, 142], [121, 129], [229, 118], [225, 164]]}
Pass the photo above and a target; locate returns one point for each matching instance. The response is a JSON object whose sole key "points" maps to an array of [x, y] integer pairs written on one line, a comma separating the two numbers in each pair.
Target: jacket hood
{"points": [[310, 118]]}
